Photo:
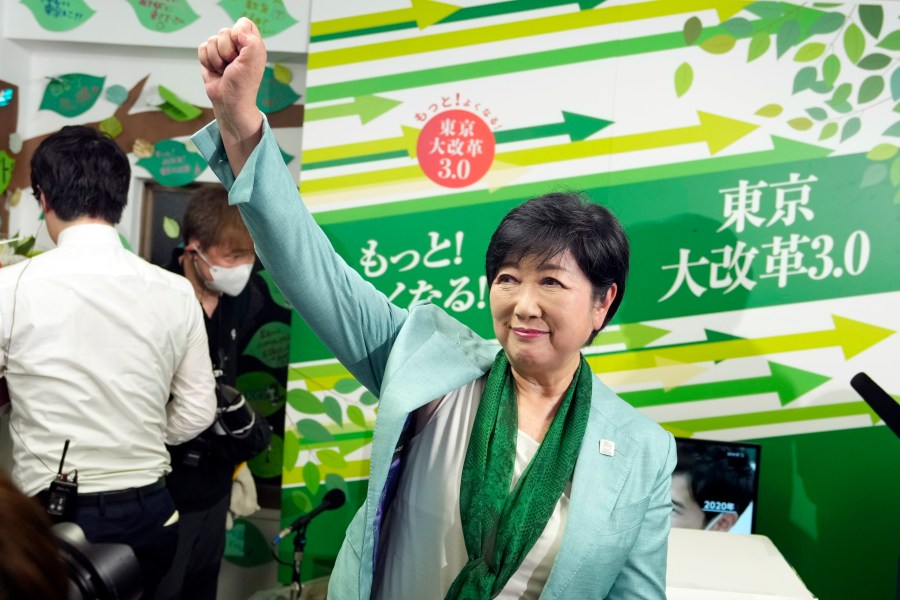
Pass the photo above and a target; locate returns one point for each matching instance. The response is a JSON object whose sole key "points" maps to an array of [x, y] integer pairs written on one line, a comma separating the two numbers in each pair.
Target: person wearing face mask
{"points": [[218, 259]]}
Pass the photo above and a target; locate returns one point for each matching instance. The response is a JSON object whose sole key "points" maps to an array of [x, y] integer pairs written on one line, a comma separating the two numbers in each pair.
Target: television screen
{"points": [[714, 486]]}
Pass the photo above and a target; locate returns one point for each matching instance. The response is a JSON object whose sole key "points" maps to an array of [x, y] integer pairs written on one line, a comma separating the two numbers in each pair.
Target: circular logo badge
{"points": [[456, 148]]}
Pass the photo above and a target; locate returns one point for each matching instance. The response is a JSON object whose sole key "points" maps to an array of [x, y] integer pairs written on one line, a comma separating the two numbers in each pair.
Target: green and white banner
{"points": [[749, 148]]}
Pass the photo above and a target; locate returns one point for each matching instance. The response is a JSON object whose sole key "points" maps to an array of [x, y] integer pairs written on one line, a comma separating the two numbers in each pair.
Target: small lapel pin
{"points": [[607, 447]]}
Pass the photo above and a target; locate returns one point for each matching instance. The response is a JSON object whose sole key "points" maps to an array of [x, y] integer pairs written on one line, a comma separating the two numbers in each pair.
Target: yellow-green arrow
{"points": [[423, 12], [852, 336], [633, 335], [403, 145], [512, 30], [771, 417], [367, 107], [717, 132]]}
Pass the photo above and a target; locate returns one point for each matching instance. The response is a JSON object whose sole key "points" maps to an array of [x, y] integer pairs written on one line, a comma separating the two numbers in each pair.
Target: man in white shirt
{"points": [[103, 349]]}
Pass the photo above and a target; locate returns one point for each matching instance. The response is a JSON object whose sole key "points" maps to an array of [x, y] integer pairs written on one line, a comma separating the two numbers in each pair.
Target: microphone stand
{"points": [[299, 545]]}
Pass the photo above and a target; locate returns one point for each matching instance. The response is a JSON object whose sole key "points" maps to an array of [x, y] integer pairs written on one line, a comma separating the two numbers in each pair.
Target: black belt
{"points": [[97, 498]]}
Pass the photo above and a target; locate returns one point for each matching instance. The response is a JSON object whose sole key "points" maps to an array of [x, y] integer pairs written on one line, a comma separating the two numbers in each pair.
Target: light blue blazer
{"points": [[615, 540]]}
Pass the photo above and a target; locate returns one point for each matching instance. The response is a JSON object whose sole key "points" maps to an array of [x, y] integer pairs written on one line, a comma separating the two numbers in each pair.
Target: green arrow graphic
{"points": [[423, 13], [529, 62], [852, 336], [717, 132], [367, 107], [789, 383], [577, 127], [783, 151], [518, 29], [463, 14], [633, 335], [771, 417]]}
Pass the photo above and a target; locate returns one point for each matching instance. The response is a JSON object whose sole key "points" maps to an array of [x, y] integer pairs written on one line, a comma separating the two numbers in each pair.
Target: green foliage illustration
{"points": [[164, 16], [72, 94], [53, 15]]}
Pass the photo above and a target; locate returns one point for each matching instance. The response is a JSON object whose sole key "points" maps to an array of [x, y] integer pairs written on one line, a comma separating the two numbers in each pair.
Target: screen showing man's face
{"points": [[686, 512]]}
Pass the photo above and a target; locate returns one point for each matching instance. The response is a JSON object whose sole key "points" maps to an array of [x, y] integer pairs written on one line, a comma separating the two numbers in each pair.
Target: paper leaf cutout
{"points": [[274, 95], [268, 463], [246, 546], [72, 94], [269, 15], [264, 393], [282, 73], [6, 96], [53, 15], [111, 126], [271, 344], [7, 165], [172, 165], [171, 228], [117, 94], [176, 108], [164, 16]]}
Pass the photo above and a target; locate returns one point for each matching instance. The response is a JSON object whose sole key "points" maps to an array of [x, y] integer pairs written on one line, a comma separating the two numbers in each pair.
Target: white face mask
{"points": [[227, 280]]}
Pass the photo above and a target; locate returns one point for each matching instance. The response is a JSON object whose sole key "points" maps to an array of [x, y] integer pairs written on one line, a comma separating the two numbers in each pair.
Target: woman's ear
{"points": [[602, 307]]}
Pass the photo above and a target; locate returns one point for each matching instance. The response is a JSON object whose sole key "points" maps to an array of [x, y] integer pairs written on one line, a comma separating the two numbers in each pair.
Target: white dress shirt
{"points": [[93, 340]]}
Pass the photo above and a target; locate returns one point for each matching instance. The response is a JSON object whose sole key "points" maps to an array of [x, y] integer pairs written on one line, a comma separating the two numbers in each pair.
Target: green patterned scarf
{"points": [[487, 505]]}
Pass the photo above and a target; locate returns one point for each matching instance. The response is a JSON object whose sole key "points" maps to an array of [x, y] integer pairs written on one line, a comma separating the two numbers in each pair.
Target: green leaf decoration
{"points": [[854, 43], [882, 152], [872, 17], [72, 94], [821, 87], [891, 41], [809, 52], [282, 74], [164, 17], [264, 393], [874, 175], [897, 197], [311, 431], [7, 166], [246, 546], [333, 410], [738, 27], [800, 123], [305, 402], [111, 126], [788, 35], [270, 16], [766, 10], [718, 44], [298, 503], [874, 62], [274, 292], [269, 462], [176, 108], [842, 107], [895, 85], [897, 108], [116, 94], [346, 385], [816, 113], [271, 344], [770, 110], [804, 79], [692, 30], [331, 459], [291, 450], [759, 43], [826, 23], [333, 481], [55, 17], [893, 130], [356, 416], [171, 228], [831, 68], [870, 89], [828, 131], [311, 477], [368, 398], [274, 95], [171, 164], [842, 93], [851, 128], [684, 77], [895, 172]]}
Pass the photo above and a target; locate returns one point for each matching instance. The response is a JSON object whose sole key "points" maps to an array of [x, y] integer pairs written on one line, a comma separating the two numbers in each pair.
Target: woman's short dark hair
{"points": [[82, 173], [549, 225]]}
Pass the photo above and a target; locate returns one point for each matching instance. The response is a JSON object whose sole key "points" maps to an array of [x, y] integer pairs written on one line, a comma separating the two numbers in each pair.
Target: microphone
{"points": [[333, 499], [881, 402]]}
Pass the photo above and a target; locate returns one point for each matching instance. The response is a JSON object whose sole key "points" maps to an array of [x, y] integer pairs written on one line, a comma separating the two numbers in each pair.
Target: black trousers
{"points": [[139, 521]]}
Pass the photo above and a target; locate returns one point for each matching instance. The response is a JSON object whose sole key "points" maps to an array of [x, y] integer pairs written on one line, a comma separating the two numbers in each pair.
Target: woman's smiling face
{"points": [[544, 311]]}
